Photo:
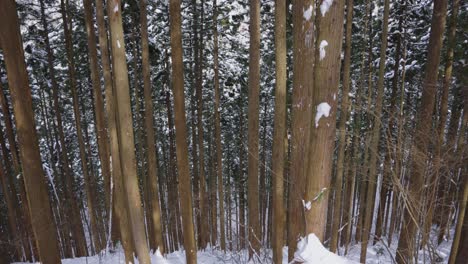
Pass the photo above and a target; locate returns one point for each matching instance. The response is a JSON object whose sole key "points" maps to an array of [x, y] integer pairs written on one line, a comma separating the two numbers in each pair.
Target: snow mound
{"points": [[310, 250]]}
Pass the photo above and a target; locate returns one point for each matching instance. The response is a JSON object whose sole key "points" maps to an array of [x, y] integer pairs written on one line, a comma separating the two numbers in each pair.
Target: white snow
{"points": [[118, 43], [308, 13], [116, 8], [323, 45], [325, 6], [310, 250], [323, 109]]}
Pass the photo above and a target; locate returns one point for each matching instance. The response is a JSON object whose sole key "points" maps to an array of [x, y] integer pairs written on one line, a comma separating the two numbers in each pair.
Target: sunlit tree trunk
{"points": [[34, 178], [125, 129]]}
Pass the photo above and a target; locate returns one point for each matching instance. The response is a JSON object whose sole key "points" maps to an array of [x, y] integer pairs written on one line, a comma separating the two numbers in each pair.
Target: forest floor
{"points": [[312, 252]]}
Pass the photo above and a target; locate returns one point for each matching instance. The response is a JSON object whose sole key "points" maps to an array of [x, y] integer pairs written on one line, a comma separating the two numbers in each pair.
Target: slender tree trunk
{"points": [[253, 127], [423, 127], [153, 174], [322, 131], [241, 187], [219, 153], [125, 135], [342, 128], [101, 127], [399, 151], [388, 174], [181, 132], [34, 178], [279, 149], [375, 139]]}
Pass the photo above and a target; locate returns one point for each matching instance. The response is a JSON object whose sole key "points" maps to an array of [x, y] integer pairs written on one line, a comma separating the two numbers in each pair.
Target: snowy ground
{"points": [[310, 251]]}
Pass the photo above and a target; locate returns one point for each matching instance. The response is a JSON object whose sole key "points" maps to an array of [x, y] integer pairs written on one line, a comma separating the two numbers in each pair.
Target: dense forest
{"points": [[234, 131]]}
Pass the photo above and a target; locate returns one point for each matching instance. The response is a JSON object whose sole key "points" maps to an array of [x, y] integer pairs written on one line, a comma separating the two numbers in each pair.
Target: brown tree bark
{"points": [[303, 81], [253, 130], [185, 187], [279, 132], [406, 244], [101, 126], [324, 105], [440, 130], [342, 130], [34, 177], [109, 107], [153, 174], [125, 132]]}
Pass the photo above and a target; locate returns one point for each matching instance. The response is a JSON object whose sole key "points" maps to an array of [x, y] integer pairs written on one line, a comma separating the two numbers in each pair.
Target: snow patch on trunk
{"points": [[323, 109], [308, 13], [325, 6], [323, 45]]}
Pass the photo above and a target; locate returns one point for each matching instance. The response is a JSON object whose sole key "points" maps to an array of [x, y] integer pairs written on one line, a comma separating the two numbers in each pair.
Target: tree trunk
{"points": [[108, 86], [406, 244], [153, 174], [303, 73], [101, 127], [279, 132], [125, 135], [219, 153], [342, 129], [34, 177], [76, 110], [181, 132], [375, 139], [253, 127], [322, 131]]}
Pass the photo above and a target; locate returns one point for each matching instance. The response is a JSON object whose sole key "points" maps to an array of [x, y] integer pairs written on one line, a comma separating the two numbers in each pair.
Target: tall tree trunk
{"points": [[253, 127], [375, 138], [241, 187], [219, 151], [153, 174], [279, 149], [322, 131], [101, 127], [108, 86], [34, 177], [440, 130], [74, 216], [181, 132], [303, 65], [399, 149], [125, 129], [342, 129], [76, 110], [406, 244]]}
